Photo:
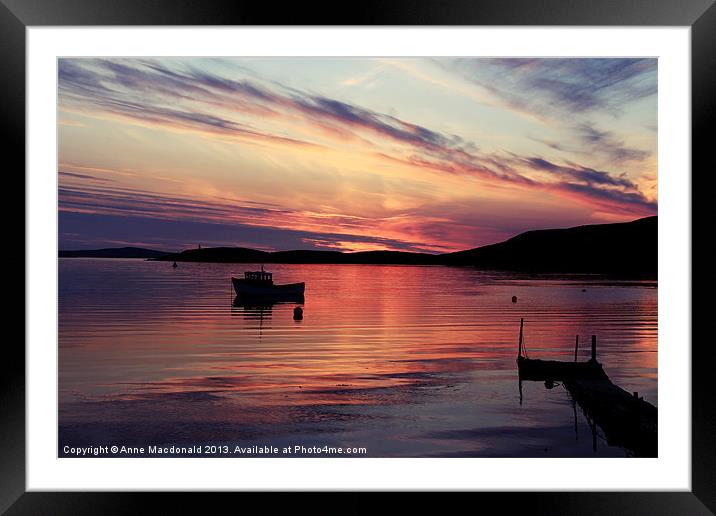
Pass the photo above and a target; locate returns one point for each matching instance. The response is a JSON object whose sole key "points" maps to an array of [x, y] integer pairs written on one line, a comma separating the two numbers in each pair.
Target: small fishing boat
{"points": [[260, 283]]}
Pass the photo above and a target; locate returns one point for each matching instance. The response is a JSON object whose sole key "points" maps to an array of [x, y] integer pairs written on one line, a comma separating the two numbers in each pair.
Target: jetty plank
{"points": [[627, 420]]}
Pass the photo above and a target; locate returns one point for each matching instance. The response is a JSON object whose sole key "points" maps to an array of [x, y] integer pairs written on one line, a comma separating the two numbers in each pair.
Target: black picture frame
{"points": [[17, 15]]}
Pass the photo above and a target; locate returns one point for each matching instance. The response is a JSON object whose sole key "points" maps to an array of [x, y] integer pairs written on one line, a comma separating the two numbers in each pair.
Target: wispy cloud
{"points": [[612, 200], [606, 143], [317, 227], [588, 175], [83, 176], [184, 96], [546, 86], [588, 141]]}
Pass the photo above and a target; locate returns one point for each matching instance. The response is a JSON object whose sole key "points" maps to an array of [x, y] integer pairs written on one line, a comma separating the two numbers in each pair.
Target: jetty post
{"points": [[602, 402], [576, 347], [519, 346]]}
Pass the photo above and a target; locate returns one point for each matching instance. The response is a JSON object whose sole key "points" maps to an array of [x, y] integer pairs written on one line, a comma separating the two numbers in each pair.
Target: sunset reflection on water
{"points": [[407, 361]]}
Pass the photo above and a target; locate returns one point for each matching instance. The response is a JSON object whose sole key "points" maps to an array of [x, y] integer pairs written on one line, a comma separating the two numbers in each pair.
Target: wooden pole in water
{"points": [[594, 348], [519, 348], [576, 347]]}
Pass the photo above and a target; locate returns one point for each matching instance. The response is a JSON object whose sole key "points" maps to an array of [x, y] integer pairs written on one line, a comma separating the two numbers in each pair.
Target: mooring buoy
{"points": [[298, 313]]}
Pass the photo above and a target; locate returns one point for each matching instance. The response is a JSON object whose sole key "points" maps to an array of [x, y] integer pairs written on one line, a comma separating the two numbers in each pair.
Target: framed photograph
{"points": [[427, 247]]}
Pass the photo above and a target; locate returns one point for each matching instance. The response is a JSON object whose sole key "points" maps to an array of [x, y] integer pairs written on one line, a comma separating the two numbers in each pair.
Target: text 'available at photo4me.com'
{"points": [[207, 450]]}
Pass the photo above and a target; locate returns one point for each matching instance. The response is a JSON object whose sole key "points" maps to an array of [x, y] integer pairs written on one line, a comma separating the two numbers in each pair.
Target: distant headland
{"points": [[626, 248], [114, 252]]}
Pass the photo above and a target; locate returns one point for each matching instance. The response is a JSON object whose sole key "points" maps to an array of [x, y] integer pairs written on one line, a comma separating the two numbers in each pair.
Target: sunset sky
{"points": [[417, 154]]}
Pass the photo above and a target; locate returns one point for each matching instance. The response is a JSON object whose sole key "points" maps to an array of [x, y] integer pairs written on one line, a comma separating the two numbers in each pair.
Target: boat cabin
{"points": [[259, 276]]}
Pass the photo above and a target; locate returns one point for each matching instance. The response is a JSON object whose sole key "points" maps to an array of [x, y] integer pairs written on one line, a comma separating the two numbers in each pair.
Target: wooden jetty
{"points": [[626, 419]]}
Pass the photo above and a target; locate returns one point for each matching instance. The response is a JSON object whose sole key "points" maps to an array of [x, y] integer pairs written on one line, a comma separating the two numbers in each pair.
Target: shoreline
{"points": [[622, 278]]}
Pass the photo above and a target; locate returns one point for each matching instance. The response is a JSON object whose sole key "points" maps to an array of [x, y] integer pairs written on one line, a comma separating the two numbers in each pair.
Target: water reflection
{"points": [[408, 361], [621, 419], [248, 303], [258, 307]]}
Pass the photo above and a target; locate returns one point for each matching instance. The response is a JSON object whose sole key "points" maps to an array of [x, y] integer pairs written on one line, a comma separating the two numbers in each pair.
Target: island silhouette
{"points": [[625, 248]]}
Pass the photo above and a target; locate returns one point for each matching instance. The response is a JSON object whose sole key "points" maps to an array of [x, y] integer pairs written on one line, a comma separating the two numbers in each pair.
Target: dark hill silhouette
{"points": [[218, 255], [622, 248], [244, 255], [628, 248], [114, 252]]}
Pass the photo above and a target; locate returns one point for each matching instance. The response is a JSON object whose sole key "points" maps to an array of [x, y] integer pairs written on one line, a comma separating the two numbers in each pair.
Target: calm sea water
{"points": [[400, 360]]}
